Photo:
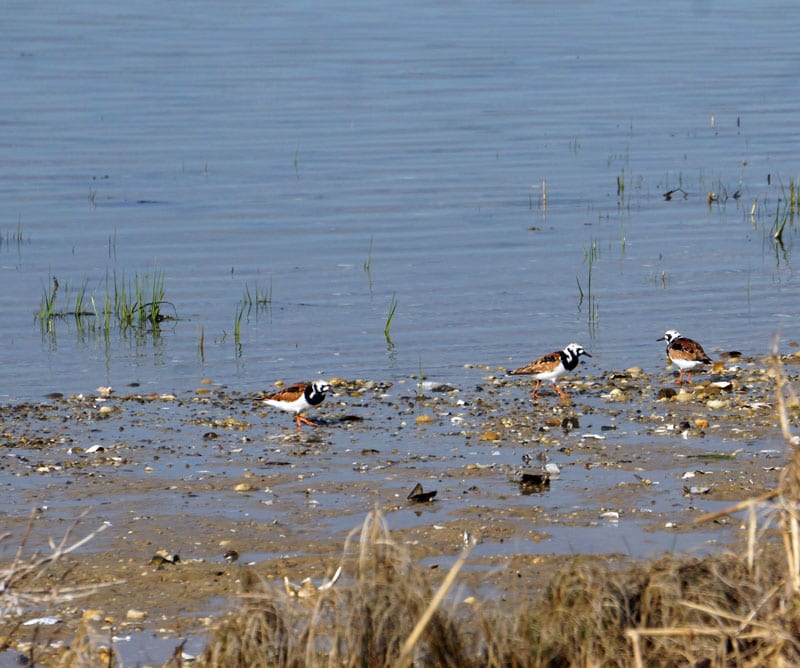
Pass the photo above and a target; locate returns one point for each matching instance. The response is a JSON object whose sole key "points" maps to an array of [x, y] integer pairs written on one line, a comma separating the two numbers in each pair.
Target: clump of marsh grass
{"points": [[133, 305]]}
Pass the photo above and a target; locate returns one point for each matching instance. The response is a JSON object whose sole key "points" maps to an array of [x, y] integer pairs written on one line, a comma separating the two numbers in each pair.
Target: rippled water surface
{"points": [[331, 158]]}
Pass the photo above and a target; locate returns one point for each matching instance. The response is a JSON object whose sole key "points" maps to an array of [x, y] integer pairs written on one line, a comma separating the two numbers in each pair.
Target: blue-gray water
{"points": [[280, 147]]}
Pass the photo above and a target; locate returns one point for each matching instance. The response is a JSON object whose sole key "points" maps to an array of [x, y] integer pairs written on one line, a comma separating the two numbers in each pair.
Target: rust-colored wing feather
{"points": [[544, 363], [289, 393], [687, 349]]}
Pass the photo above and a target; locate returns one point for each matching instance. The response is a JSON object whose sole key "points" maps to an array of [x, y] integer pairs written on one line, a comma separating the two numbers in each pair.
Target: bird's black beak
{"points": [[587, 354]]}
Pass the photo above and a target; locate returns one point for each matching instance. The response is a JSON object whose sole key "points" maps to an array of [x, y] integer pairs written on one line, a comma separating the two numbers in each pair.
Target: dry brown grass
{"points": [[41, 582], [722, 610]]}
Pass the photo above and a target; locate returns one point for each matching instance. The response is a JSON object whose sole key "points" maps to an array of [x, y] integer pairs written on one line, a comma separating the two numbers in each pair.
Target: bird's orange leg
{"points": [[299, 418], [561, 392], [535, 393]]}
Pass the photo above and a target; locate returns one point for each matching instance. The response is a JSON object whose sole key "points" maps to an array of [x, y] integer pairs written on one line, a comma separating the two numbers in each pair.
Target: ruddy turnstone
{"points": [[298, 398], [552, 366], [684, 353]]}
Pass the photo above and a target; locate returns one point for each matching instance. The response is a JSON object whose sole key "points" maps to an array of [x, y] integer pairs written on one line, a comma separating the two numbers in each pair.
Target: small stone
{"points": [[701, 423], [244, 487], [135, 615], [425, 419], [617, 395], [489, 435]]}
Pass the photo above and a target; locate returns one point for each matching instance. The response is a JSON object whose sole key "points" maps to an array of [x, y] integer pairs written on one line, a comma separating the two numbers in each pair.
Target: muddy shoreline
{"points": [[196, 489]]}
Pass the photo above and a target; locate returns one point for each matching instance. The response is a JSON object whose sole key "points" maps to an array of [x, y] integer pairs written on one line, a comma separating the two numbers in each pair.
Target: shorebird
{"points": [[298, 398], [552, 366], [684, 353]]}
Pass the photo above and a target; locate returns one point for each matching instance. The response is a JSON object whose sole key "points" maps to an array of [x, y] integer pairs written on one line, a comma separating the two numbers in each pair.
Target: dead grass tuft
{"points": [[368, 621]]}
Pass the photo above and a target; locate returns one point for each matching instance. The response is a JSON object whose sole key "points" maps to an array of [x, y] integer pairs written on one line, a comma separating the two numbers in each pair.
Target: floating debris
{"points": [[417, 495], [671, 193]]}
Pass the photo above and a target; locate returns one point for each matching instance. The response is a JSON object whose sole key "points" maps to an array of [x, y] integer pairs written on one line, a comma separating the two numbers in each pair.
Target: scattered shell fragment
{"points": [[432, 386], [552, 468], [42, 621], [306, 587], [617, 395]]}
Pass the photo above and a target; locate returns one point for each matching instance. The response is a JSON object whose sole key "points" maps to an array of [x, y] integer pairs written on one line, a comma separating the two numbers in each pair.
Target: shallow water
{"points": [[330, 159], [240, 147]]}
